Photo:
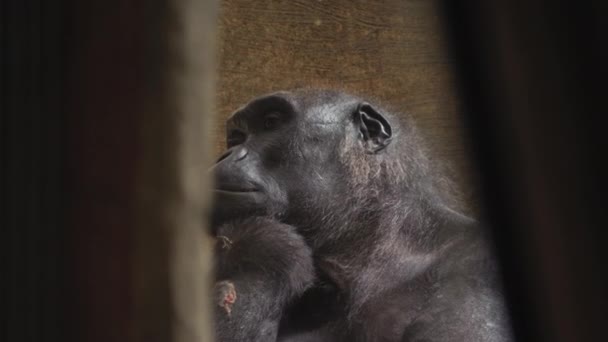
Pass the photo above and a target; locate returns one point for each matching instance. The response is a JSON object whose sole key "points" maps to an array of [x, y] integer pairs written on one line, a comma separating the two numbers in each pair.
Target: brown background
{"points": [[390, 51]]}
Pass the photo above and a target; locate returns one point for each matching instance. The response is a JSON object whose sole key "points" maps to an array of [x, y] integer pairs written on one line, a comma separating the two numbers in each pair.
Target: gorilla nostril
{"points": [[224, 156], [241, 154]]}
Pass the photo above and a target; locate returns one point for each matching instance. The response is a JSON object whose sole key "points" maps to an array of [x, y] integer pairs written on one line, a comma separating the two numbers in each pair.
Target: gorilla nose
{"points": [[237, 154]]}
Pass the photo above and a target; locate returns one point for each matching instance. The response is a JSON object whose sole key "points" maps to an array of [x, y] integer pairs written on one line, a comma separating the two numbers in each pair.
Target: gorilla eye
{"points": [[271, 121], [235, 137]]}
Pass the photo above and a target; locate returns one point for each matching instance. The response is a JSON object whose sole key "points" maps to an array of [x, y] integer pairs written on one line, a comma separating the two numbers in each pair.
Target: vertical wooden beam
{"points": [[140, 86], [172, 197]]}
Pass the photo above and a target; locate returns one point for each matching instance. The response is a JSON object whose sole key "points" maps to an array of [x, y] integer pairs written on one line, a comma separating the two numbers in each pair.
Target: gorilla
{"points": [[331, 226]]}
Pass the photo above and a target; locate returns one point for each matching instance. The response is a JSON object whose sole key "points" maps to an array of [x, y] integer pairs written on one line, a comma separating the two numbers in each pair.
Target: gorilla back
{"points": [[392, 261]]}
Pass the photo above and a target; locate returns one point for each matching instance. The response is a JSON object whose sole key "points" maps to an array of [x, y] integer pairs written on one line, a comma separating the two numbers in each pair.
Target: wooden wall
{"points": [[389, 50]]}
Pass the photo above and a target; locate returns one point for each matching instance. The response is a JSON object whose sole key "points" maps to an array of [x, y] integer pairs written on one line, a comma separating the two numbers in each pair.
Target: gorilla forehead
{"points": [[311, 105], [323, 106]]}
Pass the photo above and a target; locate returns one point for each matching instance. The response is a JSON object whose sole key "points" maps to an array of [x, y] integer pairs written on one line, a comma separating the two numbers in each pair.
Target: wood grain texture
{"points": [[390, 51]]}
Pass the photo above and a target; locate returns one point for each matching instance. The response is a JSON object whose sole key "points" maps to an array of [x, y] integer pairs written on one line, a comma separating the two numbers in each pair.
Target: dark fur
{"points": [[266, 263], [394, 262]]}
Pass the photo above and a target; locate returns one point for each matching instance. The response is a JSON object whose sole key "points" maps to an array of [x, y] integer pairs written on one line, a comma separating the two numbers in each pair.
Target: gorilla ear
{"points": [[374, 129]]}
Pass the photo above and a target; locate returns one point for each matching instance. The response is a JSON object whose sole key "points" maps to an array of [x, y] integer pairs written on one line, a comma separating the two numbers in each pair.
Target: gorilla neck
{"points": [[414, 221], [395, 243]]}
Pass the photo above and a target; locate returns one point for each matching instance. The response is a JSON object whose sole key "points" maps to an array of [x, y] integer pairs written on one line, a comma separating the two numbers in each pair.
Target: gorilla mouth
{"points": [[244, 191], [236, 188]]}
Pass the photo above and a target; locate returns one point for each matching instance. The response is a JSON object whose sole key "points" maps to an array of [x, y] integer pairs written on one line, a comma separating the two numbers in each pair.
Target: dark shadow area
{"points": [[32, 169], [532, 78]]}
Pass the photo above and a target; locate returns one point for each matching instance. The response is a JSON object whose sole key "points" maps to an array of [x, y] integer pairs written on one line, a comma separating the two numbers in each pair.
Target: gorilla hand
{"points": [[261, 265]]}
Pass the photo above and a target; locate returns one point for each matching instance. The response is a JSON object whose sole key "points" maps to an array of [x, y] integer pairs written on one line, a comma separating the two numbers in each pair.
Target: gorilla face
{"points": [[283, 150]]}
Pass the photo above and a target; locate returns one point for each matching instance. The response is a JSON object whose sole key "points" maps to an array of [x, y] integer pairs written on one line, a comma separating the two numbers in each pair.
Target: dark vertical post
{"points": [[32, 128], [533, 77], [106, 94]]}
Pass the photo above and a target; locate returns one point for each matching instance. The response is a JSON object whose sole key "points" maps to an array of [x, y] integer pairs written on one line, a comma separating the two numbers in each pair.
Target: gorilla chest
{"points": [[324, 315], [388, 315]]}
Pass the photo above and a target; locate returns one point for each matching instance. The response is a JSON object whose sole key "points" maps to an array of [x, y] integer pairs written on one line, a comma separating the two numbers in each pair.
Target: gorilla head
{"points": [[320, 160], [342, 185]]}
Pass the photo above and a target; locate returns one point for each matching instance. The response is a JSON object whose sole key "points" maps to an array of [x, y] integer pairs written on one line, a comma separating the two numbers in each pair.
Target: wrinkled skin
{"points": [[337, 231]]}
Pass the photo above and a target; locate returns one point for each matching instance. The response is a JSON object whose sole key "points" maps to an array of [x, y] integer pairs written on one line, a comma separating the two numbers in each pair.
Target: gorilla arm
{"points": [[261, 265]]}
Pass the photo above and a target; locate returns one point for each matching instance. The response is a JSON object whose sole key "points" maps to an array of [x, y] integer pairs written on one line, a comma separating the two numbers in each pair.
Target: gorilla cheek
{"points": [[275, 197]]}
